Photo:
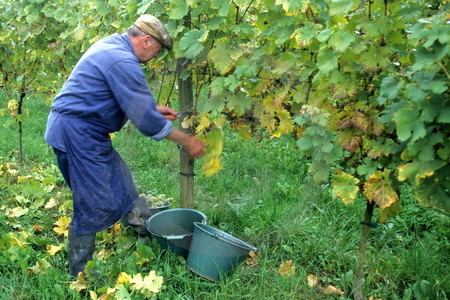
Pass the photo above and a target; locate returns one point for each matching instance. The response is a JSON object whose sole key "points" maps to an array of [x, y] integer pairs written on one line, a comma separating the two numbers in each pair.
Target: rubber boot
{"points": [[80, 251], [138, 216]]}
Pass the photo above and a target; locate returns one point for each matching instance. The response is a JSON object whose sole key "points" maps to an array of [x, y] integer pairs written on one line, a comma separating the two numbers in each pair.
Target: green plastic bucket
{"points": [[173, 228], [214, 253]]}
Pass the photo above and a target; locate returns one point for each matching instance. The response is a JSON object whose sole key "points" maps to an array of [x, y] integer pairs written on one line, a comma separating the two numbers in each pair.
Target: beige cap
{"points": [[152, 26]]}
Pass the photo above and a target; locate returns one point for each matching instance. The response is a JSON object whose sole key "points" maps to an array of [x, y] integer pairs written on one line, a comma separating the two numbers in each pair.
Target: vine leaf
{"points": [[345, 187], [349, 140], [391, 211], [178, 9], [192, 42], [214, 139], [417, 170], [379, 189], [409, 124], [223, 56], [292, 7], [223, 7], [286, 124], [213, 164], [342, 7], [327, 61], [435, 190]]}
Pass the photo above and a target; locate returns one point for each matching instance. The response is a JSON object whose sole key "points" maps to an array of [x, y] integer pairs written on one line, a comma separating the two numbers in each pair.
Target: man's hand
{"points": [[168, 113], [194, 146]]}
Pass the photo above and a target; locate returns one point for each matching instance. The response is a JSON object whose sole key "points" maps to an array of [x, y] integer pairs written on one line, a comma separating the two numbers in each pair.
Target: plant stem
{"points": [[19, 120], [357, 284]]}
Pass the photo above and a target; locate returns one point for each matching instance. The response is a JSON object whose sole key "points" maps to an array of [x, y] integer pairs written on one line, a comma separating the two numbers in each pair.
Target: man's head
{"points": [[148, 35]]}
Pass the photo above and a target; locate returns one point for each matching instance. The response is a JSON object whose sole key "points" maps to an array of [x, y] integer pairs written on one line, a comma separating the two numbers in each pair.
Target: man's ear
{"points": [[146, 41]]}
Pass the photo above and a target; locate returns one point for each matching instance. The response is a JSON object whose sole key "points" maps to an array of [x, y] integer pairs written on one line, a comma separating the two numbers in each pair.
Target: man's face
{"points": [[151, 47]]}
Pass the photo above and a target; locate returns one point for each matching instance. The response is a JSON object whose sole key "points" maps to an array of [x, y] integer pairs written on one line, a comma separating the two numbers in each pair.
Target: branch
{"points": [[443, 68], [187, 19], [240, 20]]}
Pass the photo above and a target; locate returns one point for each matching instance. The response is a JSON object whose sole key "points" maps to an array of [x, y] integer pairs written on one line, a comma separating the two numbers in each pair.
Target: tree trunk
{"points": [[357, 284], [186, 103]]}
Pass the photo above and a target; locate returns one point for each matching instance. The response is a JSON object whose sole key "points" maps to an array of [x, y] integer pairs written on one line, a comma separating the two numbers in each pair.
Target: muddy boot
{"points": [[138, 216], [80, 251]]}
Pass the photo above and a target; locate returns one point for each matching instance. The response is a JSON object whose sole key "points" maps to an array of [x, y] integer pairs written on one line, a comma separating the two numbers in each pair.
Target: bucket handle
{"points": [[219, 236], [174, 237]]}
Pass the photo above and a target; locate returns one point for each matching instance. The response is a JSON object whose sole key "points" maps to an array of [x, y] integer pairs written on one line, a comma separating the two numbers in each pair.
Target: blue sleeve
{"points": [[128, 85]]}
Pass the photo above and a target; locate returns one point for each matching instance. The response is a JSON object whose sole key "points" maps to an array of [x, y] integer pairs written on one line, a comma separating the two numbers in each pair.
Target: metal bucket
{"points": [[173, 228], [214, 253]]}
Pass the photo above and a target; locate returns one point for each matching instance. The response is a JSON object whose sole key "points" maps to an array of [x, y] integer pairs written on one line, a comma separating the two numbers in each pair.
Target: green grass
{"points": [[263, 195]]}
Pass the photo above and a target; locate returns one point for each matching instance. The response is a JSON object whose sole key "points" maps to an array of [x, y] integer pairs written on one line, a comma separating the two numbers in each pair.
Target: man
{"points": [[106, 88]]}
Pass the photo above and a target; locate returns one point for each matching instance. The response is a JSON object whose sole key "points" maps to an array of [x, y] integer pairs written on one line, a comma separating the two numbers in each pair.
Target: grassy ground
{"points": [[263, 195]]}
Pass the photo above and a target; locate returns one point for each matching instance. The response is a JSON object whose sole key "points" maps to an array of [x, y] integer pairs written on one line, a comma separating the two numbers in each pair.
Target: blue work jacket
{"points": [[106, 87]]}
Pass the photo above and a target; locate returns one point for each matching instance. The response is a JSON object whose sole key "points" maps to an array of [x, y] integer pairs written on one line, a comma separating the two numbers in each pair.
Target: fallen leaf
{"points": [[38, 228], [123, 278], [41, 266], [253, 259], [287, 269], [148, 285], [313, 280], [17, 212], [93, 295], [51, 203], [80, 284], [62, 225], [332, 290], [52, 250]]}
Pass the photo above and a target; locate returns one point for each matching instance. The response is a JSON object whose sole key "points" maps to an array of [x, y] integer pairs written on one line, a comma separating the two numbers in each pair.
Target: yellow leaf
{"points": [[93, 295], [287, 269], [379, 190], [253, 259], [17, 212], [267, 121], [214, 139], [388, 212], [345, 187], [279, 99], [51, 203], [188, 122], [244, 132], [203, 123], [148, 285], [38, 228], [52, 250], [220, 121], [286, 124], [123, 278], [313, 280], [112, 136], [212, 166], [41, 266], [269, 105], [62, 225], [332, 290]]}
